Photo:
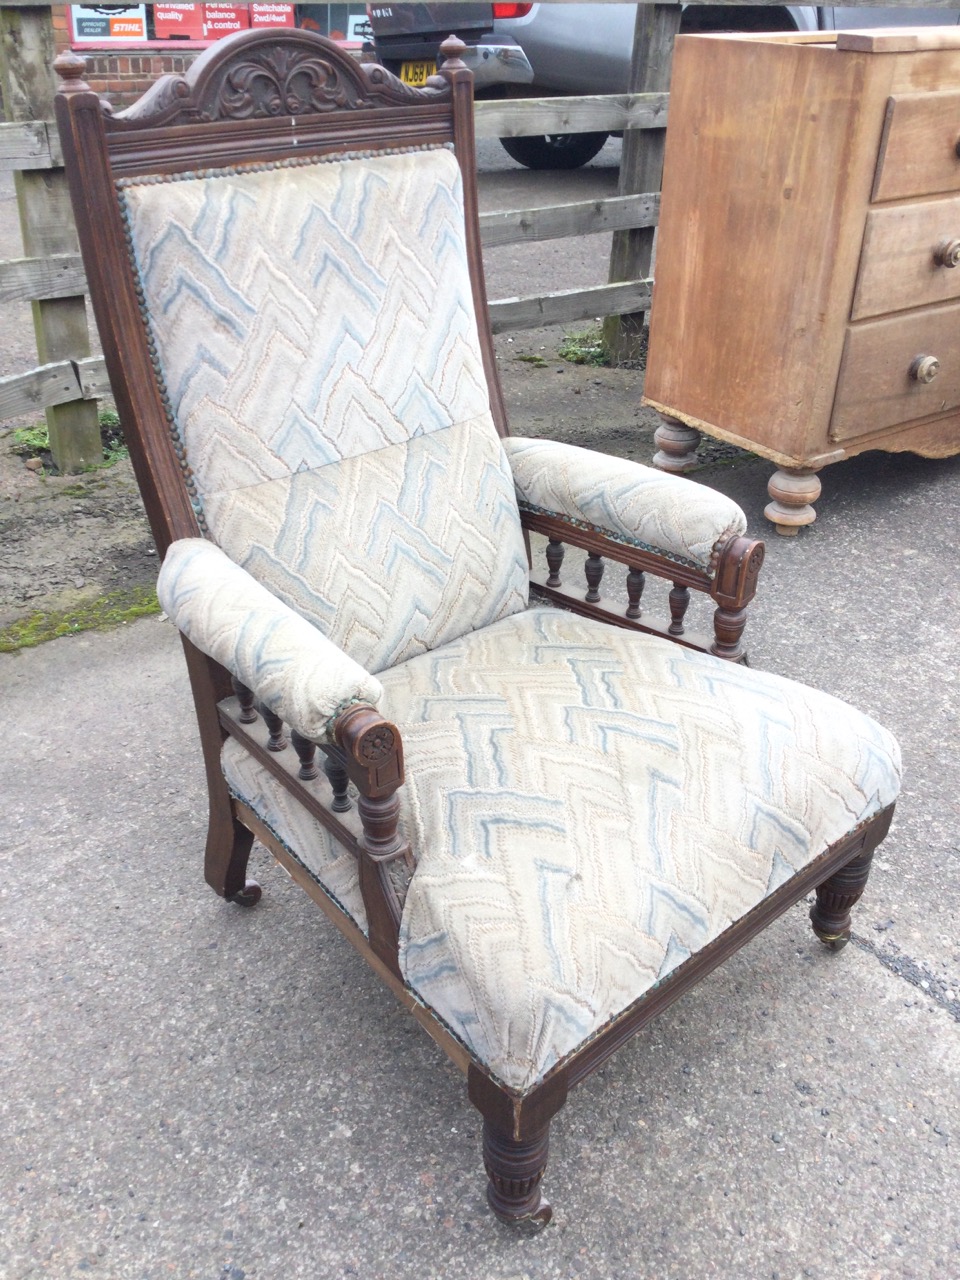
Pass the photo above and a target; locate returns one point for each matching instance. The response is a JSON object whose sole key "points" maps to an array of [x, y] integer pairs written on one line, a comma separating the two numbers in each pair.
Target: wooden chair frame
{"points": [[244, 103]]}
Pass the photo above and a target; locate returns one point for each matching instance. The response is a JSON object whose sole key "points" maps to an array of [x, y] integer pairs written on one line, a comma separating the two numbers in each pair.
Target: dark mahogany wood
{"points": [[830, 914], [228, 840], [373, 759], [285, 769], [306, 753], [515, 1170], [636, 581], [731, 581], [555, 552], [278, 739], [245, 696], [593, 572], [679, 603], [339, 779]]}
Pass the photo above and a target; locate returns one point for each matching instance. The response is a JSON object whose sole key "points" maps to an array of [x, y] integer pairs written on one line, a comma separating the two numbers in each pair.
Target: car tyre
{"points": [[554, 150]]}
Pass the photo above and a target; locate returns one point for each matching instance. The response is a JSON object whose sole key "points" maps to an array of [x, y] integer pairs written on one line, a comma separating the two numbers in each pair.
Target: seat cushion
{"points": [[588, 807]]}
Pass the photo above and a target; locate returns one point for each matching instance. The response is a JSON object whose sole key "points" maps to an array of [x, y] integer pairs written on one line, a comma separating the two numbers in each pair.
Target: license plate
{"points": [[416, 73]]}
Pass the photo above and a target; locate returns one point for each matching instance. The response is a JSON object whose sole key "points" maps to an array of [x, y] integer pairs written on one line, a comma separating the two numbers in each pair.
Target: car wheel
{"points": [[554, 150]]}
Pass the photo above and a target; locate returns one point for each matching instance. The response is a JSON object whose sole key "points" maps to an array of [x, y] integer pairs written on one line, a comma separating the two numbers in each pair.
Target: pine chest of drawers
{"points": [[807, 294]]}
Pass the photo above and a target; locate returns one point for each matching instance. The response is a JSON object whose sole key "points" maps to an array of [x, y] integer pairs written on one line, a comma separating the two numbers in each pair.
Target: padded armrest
{"points": [[624, 500], [291, 666]]}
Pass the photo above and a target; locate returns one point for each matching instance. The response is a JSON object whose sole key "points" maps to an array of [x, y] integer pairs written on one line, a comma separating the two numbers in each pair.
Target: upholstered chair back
{"points": [[312, 327]]}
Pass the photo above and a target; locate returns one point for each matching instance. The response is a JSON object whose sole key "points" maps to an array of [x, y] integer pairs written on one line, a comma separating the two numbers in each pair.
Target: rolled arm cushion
{"points": [[291, 666], [631, 503]]}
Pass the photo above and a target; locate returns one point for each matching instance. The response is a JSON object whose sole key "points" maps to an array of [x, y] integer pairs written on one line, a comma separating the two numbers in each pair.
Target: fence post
{"points": [[641, 168], [47, 226]]}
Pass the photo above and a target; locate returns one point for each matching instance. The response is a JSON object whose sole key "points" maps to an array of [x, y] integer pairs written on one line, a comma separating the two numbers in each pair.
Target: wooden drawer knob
{"points": [[925, 368], [947, 253]]}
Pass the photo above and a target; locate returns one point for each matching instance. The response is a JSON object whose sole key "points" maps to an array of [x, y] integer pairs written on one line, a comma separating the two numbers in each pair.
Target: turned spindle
{"points": [[679, 601], [555, 552], [337, 775], [593, 571], [636, 581], [248, 711], [307, 752], [277, 740]]}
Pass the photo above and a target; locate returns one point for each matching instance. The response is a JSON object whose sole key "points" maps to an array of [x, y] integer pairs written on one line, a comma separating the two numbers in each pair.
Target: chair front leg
{"points": [[516, 1134], [515, 1168], [830, 914]]}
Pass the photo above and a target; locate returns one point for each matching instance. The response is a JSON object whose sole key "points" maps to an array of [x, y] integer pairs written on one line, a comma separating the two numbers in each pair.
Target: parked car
{"points": [[407, 39], [580, 49]]}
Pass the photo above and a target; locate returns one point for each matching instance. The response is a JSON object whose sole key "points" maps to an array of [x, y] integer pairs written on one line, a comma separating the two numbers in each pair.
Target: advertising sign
{"points": [[223, 19], [178, 21], [108, 23], [271, 15]]}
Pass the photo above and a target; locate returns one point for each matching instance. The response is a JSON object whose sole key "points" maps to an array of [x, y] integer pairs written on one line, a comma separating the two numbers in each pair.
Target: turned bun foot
{"points": [[677, 445], [793, 491], [248, 896]]}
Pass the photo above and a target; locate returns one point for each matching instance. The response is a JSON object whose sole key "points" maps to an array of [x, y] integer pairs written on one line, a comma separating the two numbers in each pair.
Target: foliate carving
{"points": [[169, 94], [278, 81], [269, 75], [377, 744], [384, 85]]}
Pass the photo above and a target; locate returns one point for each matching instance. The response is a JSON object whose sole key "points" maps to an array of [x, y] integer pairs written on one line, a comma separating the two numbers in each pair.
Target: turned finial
{"points": [[452, 49], [70, 67]]}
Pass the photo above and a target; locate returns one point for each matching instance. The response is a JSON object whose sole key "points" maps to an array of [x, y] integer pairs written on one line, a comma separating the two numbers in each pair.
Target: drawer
{"points": [[907, 252], [918, 149], [877, 388]]}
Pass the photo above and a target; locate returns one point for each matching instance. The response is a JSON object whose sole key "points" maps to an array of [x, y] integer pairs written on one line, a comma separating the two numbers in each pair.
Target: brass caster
{"points": [[248, 896], [531, 1222], [834, 941]]}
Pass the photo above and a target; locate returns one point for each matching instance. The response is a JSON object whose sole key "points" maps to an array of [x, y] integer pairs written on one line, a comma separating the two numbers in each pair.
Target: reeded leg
{"points": [[830, 914], [676, 444], [793, 492], [515, 1170]]}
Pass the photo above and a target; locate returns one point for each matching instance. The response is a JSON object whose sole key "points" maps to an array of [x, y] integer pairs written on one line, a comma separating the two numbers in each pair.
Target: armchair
{"points": [[539, 825]]}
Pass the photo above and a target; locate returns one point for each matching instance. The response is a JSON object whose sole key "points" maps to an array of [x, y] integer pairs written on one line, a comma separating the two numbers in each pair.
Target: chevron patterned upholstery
{"points": [[588, 807], [316, 348], [624, 500], [294, 668]]}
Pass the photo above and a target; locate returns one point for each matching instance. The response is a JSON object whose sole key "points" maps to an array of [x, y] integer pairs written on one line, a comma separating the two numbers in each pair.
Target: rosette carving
{"points": [[376, 744]]}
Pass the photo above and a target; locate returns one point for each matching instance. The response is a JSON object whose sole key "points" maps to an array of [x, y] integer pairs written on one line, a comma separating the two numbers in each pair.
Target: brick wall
{"points": [[121, 75]]}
